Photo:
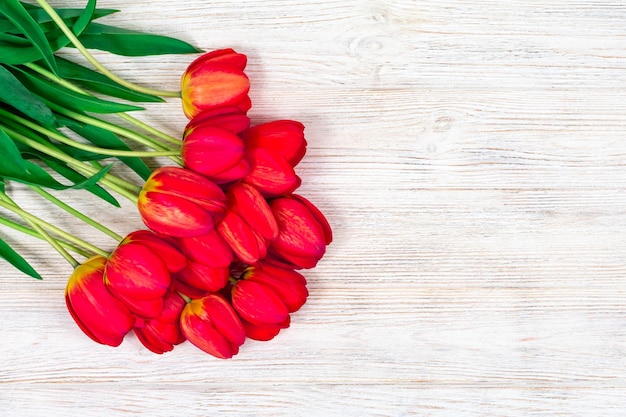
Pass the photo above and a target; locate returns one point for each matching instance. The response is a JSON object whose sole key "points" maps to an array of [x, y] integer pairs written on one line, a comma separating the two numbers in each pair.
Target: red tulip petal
{"points": [[257, 303], [161, 245], [248, 202], [210, 249], [224, 318], [173, 215], [232, 119], [271, 173], [136, 272], [241, 238], [211, 150], [204, 277], [286, 137], [98, 314]]}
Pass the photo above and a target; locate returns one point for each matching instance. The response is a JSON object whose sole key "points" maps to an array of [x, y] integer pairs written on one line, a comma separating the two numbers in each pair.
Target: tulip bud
{"points": [[258, 303], [303, 233], [138, 271], [270, 173], [215, 79], [285, 137], [248, 224], [162, 333], [232, 119], [264, 332], [210, 249], [211, 324], [273, 149], [203, 277], [179, 202], [288, 284], [211, 151], [99, 315]]}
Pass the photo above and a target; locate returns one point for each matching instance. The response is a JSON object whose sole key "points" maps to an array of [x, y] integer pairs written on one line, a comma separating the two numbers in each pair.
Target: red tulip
{"points": [[258, 303], [232, 119], [138, 271], [284, 137], [248, 224], [213, 152], [210, 249], [100, 316], [273, 149], [179, 202], [211, 324], [203, 277], [264, 332], [215, 79], [303, 233], [162, 333], [288, 284]]}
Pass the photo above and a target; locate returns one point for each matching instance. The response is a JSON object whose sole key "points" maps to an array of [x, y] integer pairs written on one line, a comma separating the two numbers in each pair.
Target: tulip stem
{"points": [[34, 233], [81, 48], [122, 187], [70, 142], [46, 236], [60, 232], [76, 213], [122, 131], [144, 126]]}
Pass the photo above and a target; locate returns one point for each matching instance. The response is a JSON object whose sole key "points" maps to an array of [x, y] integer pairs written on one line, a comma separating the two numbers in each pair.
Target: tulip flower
{"points": [[273, 149], [264, 332], [214, 152], [303, 233], [179, 202], [99, 314], [266, 295], [203, 277], [210, 249], [215, 79], [162, 333], [138, 271], [211, 324], [284, 137], [232, 119], [248, 224]]}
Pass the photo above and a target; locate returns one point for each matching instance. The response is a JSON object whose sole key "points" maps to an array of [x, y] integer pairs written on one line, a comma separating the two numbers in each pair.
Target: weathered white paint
{"points": [[471, 157]]}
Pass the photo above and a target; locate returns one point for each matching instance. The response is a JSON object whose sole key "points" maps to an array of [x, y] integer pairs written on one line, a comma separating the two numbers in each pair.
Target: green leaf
{"points": [[99, 83], [16, 95], [45, 22], [62, 96], [15, 259], [15, 167], [132, 43], [75, 177], [85, 18], [106, 139], [17, 14]]}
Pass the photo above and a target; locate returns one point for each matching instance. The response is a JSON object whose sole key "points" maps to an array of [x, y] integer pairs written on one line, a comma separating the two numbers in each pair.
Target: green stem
{"points": [[146, 127], [76, 213], [149, 129], [51, 241], [122, 187], [81, 48], [60, 232], [70, 142], [33, 233]]}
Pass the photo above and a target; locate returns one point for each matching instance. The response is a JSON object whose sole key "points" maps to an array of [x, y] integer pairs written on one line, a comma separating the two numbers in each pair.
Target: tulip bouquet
{"points": [[226, 235]]}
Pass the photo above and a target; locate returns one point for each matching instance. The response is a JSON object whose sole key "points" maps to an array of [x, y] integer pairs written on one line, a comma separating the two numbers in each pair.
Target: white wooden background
{"points": [[471, 157]]}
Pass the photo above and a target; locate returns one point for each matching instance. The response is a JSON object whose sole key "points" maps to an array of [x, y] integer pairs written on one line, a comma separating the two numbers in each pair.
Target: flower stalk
{"points": [[81, 48]]}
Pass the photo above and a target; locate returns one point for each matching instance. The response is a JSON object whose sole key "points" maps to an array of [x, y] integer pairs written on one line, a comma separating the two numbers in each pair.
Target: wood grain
{"points": [[470, 156]]}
